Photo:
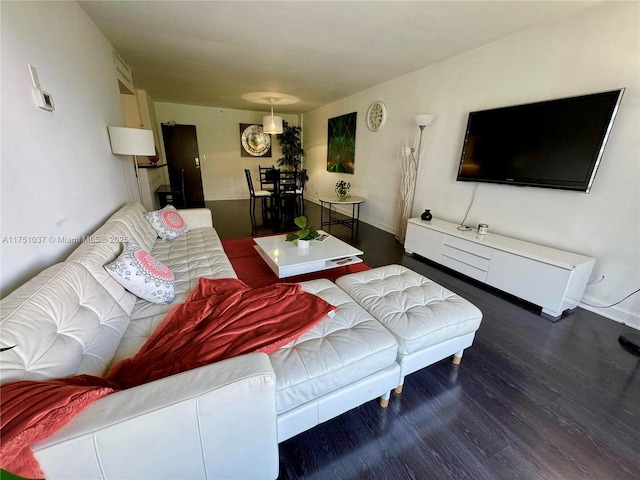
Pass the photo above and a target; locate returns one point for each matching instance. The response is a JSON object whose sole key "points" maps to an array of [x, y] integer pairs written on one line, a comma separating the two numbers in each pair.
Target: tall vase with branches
{"points": [[409, 166], [409, 172]]}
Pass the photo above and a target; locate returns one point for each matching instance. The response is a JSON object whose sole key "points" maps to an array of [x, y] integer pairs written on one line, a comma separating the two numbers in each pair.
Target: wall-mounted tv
{"points": [[552, 144]]}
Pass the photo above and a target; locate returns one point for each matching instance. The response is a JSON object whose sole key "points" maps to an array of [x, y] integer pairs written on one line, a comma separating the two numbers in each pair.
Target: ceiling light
{"points": [[271, 123]]}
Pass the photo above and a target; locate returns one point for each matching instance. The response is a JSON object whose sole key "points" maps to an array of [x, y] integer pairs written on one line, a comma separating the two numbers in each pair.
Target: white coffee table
{"points": [[286, 259]]}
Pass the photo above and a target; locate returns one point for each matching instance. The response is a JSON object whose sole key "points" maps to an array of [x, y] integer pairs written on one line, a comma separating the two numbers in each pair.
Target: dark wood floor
{"points": [[531, 400]]}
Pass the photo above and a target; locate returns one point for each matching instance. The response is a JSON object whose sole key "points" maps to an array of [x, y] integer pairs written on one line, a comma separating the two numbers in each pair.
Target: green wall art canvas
{"points": [[341, 143]]}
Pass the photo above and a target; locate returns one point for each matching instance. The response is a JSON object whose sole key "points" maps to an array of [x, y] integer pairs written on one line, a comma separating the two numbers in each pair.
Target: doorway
{"points": [[183, 163]]}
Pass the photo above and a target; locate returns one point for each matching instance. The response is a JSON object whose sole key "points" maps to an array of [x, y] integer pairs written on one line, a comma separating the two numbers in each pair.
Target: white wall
{"points": [[593, 51], [58, 175], [218, 132]]}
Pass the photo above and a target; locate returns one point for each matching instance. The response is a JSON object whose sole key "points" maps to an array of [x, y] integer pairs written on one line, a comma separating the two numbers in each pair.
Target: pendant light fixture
{"points": [[271, 123]]}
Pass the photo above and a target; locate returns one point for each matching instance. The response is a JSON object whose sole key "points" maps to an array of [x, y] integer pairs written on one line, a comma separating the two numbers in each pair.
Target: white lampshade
{"points": [[423, 120], [272, 124], [131, 141]]}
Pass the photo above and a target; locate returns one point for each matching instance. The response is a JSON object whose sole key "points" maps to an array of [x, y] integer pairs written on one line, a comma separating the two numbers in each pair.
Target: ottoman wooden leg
{"points": [[457, 357], [384, 400]]}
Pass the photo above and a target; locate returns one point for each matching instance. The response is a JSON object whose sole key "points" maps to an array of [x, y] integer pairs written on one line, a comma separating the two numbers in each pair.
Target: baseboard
{"points": [[234, 197], [614, 313]]}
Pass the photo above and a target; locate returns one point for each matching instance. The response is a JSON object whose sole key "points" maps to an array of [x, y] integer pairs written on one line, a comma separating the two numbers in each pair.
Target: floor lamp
{"points": [[132, 141], [409, 170]]}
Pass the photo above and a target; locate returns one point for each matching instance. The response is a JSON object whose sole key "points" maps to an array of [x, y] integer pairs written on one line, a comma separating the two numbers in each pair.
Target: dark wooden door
{"points": [[183, 162]]}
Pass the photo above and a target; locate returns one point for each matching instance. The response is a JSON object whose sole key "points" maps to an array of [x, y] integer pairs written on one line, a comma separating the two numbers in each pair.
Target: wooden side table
{"points": [[352, 222]]}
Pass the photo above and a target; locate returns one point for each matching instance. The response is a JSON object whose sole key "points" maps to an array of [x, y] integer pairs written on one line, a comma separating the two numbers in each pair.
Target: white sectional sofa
{"points": [[220, 421]]}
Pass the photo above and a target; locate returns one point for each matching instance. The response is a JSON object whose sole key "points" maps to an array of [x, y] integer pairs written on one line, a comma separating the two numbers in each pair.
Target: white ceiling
{"points": [[211, 52]]}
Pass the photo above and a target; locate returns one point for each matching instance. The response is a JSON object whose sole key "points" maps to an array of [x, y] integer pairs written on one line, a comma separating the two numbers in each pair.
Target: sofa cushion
{"points": [[142, 274], [333, 354], [63, 323], [198, 253], [100, 249], [167, 222], [139, 229], [418, 311]]}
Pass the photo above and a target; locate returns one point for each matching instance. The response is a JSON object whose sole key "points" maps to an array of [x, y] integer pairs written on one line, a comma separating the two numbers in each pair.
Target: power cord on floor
{"points": [[613, 304]]}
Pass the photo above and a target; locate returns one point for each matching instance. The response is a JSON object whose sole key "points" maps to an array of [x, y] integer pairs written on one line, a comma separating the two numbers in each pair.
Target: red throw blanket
{"points": [[33, 410], [220, 319]]}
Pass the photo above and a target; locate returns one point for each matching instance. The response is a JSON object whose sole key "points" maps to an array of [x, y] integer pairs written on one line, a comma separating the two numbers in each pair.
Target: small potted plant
{"points": [[304, 234], [342, 189]]}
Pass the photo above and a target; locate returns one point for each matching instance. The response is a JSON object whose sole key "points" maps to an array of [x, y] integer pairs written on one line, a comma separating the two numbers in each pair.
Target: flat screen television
{"points": [[551, 144]]}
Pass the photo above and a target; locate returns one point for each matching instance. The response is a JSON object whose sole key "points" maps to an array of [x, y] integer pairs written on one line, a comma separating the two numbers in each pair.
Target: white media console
{"points": [[552, 279]]}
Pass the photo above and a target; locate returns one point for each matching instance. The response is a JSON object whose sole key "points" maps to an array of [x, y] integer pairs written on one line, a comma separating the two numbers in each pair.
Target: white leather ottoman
{"points": [[428, 321], [341, 363]]}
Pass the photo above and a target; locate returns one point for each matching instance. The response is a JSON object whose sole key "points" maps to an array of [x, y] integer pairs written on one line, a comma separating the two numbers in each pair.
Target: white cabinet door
{"points": [[424, 241], [537, 282]]}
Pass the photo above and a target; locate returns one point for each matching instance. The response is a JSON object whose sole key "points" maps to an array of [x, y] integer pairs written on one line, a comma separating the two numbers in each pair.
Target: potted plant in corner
{"points": [[291, 146], [304, 234]]}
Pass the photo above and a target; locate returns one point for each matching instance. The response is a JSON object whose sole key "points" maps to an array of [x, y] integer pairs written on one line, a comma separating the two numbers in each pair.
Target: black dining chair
{"points": [[288, 181], [266, 178], [302, 180], [263, 195], [287, 187]]}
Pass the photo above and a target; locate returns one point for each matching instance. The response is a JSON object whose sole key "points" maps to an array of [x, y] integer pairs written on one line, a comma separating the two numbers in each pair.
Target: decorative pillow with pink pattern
{"points": [[167, 222], [141, 274]]}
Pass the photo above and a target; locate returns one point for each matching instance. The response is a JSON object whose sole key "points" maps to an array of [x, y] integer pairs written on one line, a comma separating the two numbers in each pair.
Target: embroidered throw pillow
{"points": [[167, 222], [141, 274]]}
